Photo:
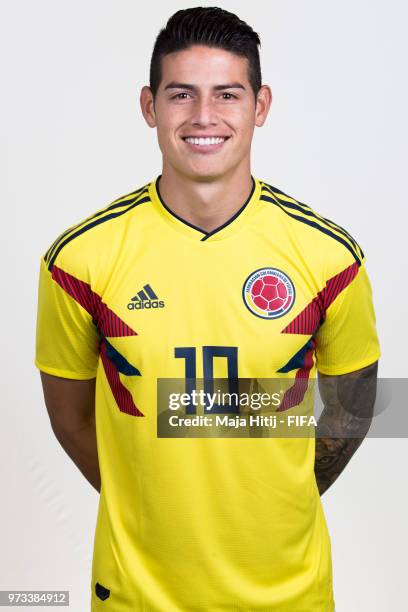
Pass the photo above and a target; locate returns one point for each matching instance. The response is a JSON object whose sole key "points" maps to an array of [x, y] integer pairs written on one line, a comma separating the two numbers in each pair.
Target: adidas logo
{"points": [[146, 298]]}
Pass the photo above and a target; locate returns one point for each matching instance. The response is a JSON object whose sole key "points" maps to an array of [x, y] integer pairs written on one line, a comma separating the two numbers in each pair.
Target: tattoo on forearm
{"points": [[346, 418]]}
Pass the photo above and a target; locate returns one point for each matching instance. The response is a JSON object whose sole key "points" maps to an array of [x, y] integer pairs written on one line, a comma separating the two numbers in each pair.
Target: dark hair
{"points": [[210, 26]]}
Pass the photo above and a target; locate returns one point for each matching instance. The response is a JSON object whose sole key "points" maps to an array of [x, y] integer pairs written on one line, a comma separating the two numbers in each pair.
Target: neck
{"points": [[205, 204]]}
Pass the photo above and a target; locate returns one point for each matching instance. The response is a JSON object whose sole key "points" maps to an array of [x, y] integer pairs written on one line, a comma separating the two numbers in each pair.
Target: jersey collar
{"points": [[226, 229]]}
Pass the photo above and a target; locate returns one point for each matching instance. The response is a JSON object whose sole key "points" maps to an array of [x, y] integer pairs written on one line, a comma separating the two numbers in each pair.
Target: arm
{"points": [[348, 401], [71, 408]]}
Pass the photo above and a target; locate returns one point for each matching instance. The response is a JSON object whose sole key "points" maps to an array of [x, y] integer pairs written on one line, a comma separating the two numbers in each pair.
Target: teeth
{"points": [[204, 142]]}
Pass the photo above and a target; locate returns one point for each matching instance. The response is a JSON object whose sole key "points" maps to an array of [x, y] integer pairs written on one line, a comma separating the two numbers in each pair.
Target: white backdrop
{"points": [[75, 140]]}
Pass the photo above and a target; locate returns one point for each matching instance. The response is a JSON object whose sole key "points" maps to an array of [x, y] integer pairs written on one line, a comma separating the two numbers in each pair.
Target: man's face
{"points": [[205, 112]]}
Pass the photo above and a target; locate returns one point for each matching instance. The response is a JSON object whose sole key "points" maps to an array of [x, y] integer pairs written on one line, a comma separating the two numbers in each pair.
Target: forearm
{"points": [[80, 446], [345, 421], [332, 456], [338, 436]]}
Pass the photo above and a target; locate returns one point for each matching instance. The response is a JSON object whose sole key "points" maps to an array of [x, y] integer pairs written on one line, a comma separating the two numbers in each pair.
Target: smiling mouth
{"points": [[209, 141]]}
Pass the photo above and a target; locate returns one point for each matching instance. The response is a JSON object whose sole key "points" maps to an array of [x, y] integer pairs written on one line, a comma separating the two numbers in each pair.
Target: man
{"points": [[204, 272]]}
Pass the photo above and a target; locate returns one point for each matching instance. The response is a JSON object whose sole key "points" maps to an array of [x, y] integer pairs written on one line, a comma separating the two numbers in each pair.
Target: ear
{"points": [[147, 106], [263, 104]]}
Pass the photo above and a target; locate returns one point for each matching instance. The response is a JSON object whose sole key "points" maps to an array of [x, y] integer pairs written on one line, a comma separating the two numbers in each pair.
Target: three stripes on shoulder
{"points": [[118, 207], [305, 214]]}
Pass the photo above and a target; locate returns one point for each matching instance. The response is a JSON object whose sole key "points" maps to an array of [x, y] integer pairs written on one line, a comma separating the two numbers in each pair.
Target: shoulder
{"points": [[94, 233], [316, 233]]}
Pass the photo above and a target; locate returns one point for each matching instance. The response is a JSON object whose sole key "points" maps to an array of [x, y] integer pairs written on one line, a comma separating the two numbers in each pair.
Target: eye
{"points": [[178, 96], [227, 93]]}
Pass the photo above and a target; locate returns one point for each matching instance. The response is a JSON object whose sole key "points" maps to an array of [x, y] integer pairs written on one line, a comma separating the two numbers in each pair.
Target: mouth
{"points": [[205, 144]]}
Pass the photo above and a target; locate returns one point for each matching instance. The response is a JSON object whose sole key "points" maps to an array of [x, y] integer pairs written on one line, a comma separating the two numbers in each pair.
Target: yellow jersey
{"points": [[133, 294]]}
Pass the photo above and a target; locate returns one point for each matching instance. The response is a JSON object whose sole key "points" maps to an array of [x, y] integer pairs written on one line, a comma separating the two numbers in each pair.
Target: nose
{"points": [[204, 112]]}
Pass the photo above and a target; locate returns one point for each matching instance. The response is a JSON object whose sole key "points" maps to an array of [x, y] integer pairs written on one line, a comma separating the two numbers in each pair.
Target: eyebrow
{"points": [[175, 85]]}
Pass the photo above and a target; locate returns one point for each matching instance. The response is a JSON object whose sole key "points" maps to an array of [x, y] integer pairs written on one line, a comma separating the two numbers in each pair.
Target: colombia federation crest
{"points": [[268, 293]]}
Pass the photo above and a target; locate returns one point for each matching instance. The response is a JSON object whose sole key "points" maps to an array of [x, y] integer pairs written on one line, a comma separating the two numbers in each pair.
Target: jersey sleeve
{"points": [[67, 339], [347, 340]]}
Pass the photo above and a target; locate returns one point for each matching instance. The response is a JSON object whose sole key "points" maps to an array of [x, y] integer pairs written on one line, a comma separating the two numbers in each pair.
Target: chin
{"points": [[205, 174], [206, 177]]}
